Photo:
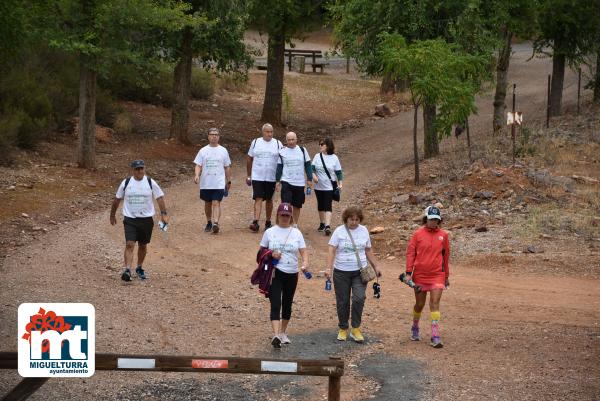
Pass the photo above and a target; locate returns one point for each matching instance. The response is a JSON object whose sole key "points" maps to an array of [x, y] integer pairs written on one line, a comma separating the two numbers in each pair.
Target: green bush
{"points": [[9, 126], [233, 82], [26, 101], [123, 124], [151, 85], [106, 108], [203, 84]]}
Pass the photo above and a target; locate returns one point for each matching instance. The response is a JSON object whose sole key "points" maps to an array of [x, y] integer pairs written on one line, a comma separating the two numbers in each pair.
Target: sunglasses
{"points": [[322, 143]]}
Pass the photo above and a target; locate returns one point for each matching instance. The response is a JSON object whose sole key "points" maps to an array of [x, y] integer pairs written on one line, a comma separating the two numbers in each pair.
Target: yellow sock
{"points": [[416, 315], [435, 316]]}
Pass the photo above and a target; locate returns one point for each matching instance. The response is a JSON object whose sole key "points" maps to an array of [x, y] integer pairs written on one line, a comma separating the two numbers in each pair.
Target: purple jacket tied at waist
{"points": [[263, 274]]}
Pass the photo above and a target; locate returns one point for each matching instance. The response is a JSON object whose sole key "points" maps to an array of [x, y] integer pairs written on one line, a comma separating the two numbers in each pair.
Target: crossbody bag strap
{"points": [[325, 167], [354, 246]]}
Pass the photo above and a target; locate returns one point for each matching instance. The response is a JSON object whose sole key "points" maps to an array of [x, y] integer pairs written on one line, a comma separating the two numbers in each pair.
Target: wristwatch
{"points": [[163, 213]]}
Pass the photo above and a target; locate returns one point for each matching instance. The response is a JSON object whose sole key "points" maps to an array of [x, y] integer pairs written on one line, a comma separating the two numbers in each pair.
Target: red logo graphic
{"points": [[44, 321], [210, 364]]}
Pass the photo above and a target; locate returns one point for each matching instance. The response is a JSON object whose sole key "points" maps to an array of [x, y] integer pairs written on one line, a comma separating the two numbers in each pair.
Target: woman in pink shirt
{"points": [[427, 266]]}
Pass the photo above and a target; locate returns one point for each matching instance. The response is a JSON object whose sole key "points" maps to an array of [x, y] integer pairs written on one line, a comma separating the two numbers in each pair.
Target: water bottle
{"points": [[328, 285], [225, 192], [308, 191], [307, 275], [163, 226]]}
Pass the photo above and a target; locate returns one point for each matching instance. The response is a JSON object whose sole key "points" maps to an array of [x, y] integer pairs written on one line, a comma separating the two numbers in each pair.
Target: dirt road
{"points": [[518, 337]]}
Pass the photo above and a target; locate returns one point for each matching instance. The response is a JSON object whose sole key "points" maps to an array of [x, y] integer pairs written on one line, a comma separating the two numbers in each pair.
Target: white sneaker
{"points": [[284, 338]]}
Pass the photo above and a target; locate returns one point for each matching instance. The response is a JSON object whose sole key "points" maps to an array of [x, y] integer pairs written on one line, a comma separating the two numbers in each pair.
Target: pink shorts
{"points": [[429, 287]]}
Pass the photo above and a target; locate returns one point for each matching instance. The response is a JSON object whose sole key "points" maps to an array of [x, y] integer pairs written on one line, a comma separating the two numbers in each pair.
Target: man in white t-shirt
{"points": [[213, 174], [138, 210], [294, 172], [261, 165]]}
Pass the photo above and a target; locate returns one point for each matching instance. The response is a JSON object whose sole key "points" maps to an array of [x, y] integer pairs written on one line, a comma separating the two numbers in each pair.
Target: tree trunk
{"points": [[429, 132], [597, 78], [556, 88], [182, 77], [86, 155], [415, 146], [502, 81], [274, 89], [468, 139], [388, 84]]}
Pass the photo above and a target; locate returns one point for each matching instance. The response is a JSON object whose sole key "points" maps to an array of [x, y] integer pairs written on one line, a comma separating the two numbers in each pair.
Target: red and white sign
{"points": [[210, 363]]}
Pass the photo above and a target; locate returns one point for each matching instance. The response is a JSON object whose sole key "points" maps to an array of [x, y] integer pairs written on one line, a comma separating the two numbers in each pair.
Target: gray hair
{"points": [[214, 130], [265, 126]]}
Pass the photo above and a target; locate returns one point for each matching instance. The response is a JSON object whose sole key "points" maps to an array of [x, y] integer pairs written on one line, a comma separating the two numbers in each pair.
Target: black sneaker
{"points": [[140, 272], [215, 228], [254, 226], [321, 227], [208, 227], [268, 224], [126, 275], [276, 342], [327, 231]]}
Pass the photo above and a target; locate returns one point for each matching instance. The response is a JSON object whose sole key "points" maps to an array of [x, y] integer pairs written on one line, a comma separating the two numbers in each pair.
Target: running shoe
{"points": [[208, 227], [140, 272], [436, 342], [327, 231], [321, 227], [254, 226], [268, 225], [215, 228], [276, 342], [284, 339], [414, 334], [356, 335], [126, 275], [342, 334]]}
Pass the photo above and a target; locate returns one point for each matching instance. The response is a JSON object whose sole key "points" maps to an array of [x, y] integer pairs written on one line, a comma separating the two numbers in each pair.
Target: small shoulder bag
{"points": [[367, 273]]}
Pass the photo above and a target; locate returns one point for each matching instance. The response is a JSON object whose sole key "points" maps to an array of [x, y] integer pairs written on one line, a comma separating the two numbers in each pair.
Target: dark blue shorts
{"points": [[263, 189], [209, 195]]}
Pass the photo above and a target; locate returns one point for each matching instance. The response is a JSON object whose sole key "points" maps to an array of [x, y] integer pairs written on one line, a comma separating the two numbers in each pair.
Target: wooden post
{"points": [[513, 128], [548, 104], [335, 384], [578, 88], [289, 60], [25, 388], [347, 64]]}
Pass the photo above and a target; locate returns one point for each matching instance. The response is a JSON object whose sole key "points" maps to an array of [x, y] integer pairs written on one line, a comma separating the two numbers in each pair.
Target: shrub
{"points": [[151, 85], [202, 84], [106, 108], [233, 82], [9, 126], [123, 124]]}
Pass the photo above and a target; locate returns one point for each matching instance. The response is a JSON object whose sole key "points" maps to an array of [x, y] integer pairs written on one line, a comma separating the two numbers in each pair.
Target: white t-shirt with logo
{"points": [[333, 163], [138, 197], [293, 165], [275, 239], [345, 258], [213, 160], [265, 155]]}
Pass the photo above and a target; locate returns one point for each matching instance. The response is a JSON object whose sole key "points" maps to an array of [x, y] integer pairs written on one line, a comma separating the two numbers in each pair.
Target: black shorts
{"points": [[292, 194], [263, 190], [209, 195], [138, 229], [324, 200]]}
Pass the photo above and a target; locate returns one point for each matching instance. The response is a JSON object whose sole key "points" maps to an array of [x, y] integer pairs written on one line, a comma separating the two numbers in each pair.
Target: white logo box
{"points": [[41, 352]]}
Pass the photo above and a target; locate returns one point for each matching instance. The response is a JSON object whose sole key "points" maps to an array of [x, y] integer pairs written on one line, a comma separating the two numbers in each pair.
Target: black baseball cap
{"points": [[137, 164]]}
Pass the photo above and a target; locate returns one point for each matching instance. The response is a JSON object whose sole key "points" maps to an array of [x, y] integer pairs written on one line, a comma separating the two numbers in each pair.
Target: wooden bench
{"points": [[314, 58]]}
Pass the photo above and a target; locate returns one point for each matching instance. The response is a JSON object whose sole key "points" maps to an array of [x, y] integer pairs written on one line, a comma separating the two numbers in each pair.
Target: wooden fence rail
{"points": [[332, 367]]}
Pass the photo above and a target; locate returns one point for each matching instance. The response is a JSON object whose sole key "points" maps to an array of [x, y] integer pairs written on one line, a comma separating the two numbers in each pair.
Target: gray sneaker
{"points": [[284, 338], [414, 334]]}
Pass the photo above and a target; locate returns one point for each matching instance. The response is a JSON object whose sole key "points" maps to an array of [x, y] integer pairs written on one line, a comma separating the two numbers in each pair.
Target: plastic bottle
{"points": [[328, 285]]}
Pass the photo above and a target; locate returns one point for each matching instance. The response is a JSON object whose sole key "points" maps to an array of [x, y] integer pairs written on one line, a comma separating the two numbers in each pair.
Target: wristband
{"points": [[163, 213]]}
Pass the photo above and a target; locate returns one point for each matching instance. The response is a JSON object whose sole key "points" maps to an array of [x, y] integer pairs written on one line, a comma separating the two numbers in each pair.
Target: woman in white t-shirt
{"points": [[286, 242], [342, 259], [327, 170]]}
